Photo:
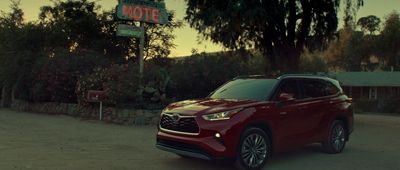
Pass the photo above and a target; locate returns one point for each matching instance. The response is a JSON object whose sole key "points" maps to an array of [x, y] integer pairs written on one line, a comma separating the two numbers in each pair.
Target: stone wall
{"points": [[110, 114]]}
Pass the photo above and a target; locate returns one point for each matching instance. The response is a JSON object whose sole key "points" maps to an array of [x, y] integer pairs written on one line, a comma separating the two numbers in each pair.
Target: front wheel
{"points": [[337, 138], [254, 149]]}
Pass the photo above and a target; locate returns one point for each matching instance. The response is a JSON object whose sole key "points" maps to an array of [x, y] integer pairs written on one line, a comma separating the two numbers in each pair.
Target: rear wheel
{"points": [[254, 149], [337, 138]]}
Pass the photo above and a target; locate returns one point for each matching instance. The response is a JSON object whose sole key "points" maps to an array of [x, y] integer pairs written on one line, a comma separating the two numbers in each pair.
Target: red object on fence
{"points": [[95, 96]]}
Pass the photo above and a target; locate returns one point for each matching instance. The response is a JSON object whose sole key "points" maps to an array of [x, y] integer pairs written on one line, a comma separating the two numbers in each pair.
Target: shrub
{"points": [[120, 83], [390, 105], [54, 78], [124, 88]]}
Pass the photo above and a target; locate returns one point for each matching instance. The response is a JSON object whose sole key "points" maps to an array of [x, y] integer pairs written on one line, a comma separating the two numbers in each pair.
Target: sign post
{"points": [[141, 52], [141, 11], [97, 96]]}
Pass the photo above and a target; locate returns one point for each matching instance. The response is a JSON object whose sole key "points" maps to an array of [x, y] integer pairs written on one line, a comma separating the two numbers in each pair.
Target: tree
{"points": [[280, 29], [80, 25], [15, 58], [313, 62], [369, 23], [389, 42]]}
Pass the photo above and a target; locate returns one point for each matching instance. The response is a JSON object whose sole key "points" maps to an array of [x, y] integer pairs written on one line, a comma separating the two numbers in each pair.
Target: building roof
{"points": [[368, 79]]}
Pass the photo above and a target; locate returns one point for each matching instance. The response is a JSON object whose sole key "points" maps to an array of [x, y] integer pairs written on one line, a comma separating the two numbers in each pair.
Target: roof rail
{"points": [[249, 76], [305, 75], [255, 76], [277, 76]]}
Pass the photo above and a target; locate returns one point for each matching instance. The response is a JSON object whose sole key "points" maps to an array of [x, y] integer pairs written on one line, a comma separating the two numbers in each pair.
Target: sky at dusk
{"points": [[186, 37]]}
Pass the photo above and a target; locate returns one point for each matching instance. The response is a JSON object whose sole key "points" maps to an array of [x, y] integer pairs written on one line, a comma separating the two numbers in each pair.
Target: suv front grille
{"points": [[179, 124]]}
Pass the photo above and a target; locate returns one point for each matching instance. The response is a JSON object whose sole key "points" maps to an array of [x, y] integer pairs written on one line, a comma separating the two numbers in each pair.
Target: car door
{"points": [[290, 115], [315, 102]]}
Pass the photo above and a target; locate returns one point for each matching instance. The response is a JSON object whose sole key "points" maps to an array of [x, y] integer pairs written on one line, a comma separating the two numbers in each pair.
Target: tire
{"points": [[254, 149], [337, 138]]}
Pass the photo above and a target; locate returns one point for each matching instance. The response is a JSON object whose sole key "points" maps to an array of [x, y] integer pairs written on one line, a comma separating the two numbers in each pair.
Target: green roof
{"points": [[368, 79]]}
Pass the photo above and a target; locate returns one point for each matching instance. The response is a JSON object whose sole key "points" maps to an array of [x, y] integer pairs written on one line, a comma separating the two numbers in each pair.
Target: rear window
{"points": [[318, 88], [331, 89], [313, 88], [246, 89]]}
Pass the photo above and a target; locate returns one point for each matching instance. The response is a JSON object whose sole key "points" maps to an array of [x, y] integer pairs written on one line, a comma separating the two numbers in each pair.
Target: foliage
{"points": [[55, 79], [120, 82], [198, 75], [11, 44], [356, 51], [352, 51], [313, 62], [42, 61], [280, 29], [369, 23], [81, 25], [122, 86], [159, 39], [389, 42]]}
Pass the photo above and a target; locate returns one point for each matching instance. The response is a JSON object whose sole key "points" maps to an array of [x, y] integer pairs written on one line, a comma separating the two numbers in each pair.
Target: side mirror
{"points": [[286, 97]]}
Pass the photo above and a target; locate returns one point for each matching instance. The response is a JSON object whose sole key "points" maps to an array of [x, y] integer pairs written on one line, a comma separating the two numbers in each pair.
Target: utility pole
{"points": [[141, 50]]}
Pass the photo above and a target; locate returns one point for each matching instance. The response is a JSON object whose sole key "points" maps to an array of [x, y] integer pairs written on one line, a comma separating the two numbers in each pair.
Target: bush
{"points": [[120, 83], [54, 78], [391, 105], [124, 88], [66, 77], [313, 62]]}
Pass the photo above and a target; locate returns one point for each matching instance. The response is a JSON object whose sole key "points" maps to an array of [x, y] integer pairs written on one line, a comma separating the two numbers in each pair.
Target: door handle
{"points": [[283, 113]]}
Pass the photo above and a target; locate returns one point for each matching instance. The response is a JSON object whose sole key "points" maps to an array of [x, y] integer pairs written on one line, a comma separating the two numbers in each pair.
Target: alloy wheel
{"points": [[254, 150], [338, 137]]}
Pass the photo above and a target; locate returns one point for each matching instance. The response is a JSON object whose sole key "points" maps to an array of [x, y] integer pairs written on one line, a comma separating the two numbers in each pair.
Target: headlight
{"points": [[221, 115]]}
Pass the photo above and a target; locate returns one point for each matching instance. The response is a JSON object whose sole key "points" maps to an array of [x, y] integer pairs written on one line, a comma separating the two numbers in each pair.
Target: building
{"points": [[369, 85]]}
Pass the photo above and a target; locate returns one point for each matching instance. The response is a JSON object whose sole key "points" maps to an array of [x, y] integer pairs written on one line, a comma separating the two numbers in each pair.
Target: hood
{"points": [[205, 106]]}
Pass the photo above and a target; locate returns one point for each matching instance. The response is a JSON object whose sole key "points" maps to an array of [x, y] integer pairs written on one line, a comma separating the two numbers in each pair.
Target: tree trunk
{"points": [[285, 59]]}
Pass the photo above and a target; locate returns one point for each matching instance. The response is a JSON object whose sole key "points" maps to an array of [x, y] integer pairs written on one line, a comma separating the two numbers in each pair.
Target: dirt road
{"points": [[33, 141]]}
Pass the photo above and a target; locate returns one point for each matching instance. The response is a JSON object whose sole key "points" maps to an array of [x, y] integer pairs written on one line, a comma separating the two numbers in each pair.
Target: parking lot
{"points": [[34, 141]]}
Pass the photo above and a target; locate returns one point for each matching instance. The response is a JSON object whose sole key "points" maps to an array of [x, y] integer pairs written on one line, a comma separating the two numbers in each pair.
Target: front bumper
{"points": [[183, 149], [204, 145]]}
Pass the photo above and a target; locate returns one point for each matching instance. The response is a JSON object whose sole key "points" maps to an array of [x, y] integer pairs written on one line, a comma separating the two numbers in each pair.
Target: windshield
{"points": [[246, 89]]}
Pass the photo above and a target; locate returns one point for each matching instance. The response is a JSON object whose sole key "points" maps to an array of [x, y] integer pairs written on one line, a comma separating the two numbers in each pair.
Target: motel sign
{"points": [[143, 11]]}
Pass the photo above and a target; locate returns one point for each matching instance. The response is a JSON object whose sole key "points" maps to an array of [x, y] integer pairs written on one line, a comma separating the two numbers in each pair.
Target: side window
{"points": [[290, 87], [313, 88], [331, 89]]}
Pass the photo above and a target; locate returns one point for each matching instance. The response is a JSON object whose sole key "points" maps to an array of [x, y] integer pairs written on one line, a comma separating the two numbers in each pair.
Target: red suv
{"points": [[249, 118]]}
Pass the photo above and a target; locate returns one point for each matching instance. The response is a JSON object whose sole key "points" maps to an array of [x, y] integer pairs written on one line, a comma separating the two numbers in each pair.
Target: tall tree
{"points": [[280, 29], [21, 46], [389, 42], [352, 51], [369, 23]]}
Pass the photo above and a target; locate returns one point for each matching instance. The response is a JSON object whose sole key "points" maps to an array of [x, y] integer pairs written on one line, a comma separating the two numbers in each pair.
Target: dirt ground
{"points": [[33, 141]]}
